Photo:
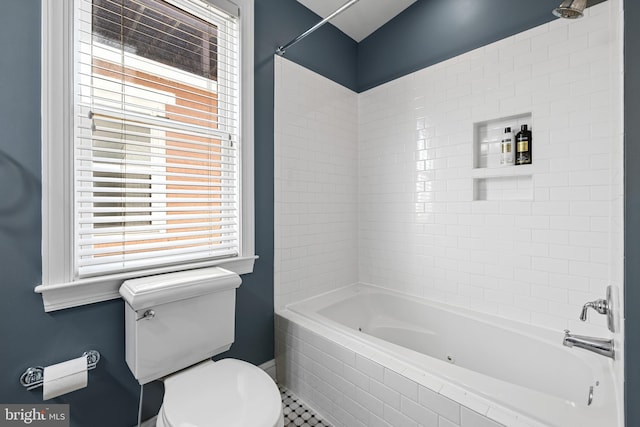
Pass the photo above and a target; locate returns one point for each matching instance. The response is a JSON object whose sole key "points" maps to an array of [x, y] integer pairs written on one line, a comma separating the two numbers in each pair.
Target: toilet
{"points": [[174, 324]]}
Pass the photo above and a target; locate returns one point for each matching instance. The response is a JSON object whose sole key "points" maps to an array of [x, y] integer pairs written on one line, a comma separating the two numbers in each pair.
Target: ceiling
{"points": [[361, 19]]}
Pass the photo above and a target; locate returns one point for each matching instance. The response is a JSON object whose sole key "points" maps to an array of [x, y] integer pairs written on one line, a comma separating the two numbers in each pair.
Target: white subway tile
{"points": [[552, 236], [470, 418], [370, 368], [397, 419], [356, 377], [575, 252], [443, 406], [550, 293], [375, 421], [574, 222], [369, 402], [401, 384], [424, 416], [443, 422], [379, 186], [500, 297], [467, 401], [551, 265], [384, 393], [550, 38], [355, 409], [560, 48], [531, 304], [589, 239]]}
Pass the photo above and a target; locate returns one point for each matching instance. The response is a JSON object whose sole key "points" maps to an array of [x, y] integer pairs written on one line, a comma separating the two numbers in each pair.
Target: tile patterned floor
{"points": [[296, 414]]}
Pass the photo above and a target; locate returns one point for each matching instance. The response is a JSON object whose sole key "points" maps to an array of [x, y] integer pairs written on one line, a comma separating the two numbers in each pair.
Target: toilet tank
{"points": [[175, 320]]}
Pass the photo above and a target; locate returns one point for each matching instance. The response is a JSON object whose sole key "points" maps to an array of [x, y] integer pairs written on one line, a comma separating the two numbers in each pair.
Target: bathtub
{"points": [[507, 372]]}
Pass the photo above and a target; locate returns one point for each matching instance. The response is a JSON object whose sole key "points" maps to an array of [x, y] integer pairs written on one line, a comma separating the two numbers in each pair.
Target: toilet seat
{"points": [[227, 393]]}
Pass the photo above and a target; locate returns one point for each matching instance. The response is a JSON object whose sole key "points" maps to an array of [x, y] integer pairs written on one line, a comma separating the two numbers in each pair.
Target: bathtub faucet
{"points": [[600, 346], [602, 306], [599, 305]]}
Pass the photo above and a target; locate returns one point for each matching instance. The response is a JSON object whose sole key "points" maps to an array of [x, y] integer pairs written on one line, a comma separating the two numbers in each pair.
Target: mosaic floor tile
{"points": [[296, 414]]}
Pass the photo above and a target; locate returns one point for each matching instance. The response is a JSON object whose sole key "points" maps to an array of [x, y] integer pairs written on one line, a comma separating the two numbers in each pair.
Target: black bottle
{"points": [[523, 146]]}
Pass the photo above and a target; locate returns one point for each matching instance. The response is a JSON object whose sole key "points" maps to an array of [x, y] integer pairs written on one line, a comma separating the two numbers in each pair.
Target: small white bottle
{"points": [[507, 153]]}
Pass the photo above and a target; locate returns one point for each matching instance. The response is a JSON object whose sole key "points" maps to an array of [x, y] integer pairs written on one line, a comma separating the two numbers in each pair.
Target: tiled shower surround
{"points": [[537, 259], [533, 244], [316, 184]]}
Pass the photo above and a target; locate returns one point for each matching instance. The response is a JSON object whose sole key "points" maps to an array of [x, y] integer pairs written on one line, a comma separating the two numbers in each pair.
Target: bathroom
{"points": [[32, 336]]}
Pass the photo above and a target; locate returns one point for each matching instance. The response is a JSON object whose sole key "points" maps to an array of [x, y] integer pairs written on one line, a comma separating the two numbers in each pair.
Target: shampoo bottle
{"points": [[523, 146], [507, 149]]}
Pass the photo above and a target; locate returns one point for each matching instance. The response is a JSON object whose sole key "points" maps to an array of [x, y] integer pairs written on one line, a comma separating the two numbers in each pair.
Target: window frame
{"points": [[60, 288]]}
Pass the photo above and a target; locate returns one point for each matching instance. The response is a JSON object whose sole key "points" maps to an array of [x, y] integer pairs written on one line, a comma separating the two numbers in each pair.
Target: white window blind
{"points": [[156, 154]]}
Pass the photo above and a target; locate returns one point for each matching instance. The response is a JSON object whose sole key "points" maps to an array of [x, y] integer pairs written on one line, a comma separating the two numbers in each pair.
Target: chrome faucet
{"points": [[599, 305], [602, 306], [600, 346]]}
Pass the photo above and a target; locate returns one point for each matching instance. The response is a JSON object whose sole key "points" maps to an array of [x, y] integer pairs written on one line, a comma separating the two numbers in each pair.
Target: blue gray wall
{"points": [[430, 31], [632, 211], [28, 335]]}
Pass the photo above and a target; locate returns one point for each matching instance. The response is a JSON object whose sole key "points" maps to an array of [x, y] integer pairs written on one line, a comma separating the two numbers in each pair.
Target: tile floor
{"points": [[296, 413]]}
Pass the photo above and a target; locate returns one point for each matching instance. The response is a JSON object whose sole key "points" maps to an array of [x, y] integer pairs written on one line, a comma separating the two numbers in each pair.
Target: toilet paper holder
{"points": [[33, 377]]}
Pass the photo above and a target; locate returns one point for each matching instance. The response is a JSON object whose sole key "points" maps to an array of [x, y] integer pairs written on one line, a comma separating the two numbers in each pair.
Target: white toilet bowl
{"points": [[227, 393]]}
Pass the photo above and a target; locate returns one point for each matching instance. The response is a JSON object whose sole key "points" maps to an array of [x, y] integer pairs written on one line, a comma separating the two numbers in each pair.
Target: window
{"points": [[147, 161]]}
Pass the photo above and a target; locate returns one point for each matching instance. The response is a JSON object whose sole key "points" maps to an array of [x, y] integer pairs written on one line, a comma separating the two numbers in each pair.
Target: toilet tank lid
{"points": [[150, 291]]}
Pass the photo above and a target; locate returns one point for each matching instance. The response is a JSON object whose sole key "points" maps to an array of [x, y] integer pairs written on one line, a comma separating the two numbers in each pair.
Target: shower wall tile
{"points": [[539, 260], [316, 184]]}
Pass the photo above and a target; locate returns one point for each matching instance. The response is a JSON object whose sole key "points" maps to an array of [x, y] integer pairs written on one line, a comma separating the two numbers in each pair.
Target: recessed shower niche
{"points": [[491, 179]]}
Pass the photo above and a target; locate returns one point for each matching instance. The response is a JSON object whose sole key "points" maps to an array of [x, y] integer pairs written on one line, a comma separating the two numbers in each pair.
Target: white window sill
{"points": [[97, 289]]}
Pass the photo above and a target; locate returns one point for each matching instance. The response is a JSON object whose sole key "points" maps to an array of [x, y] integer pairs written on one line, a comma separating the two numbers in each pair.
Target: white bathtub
{"points": [[502, 369]]}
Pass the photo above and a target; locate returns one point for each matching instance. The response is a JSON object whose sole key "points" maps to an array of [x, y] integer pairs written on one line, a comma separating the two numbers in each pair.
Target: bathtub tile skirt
{"points": [[367, 394]]}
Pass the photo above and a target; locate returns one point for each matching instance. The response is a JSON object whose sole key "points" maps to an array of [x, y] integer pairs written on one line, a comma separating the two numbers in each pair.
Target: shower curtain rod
{"points": [[280, 51]]}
